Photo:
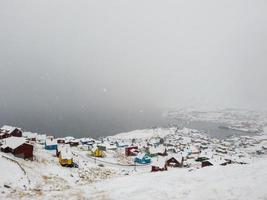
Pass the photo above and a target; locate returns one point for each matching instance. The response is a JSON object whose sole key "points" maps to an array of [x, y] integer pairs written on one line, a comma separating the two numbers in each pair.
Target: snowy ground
{"points": [[229, 182], [45, 178]]}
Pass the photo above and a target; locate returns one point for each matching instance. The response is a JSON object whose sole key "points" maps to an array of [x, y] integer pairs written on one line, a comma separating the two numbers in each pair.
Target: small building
{"points": [[158, 164], [41, 138], [102, 147], [157, 151], [96, 152], [121, 144], [51, 144], [87, 141], [215, 162], [18, 147], [176, 160], [61, 140], [131, 151], [65, 157], [206, 163], [30, 136], [71, 141], [8, 131], [142, 159]]}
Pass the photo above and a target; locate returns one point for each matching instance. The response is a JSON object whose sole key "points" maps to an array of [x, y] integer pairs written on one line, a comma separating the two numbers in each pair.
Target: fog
{"points": [[78, 66]]}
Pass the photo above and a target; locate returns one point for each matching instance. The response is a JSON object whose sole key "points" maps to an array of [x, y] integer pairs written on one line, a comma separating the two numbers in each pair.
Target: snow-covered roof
{"points": [[29, 135], [13, 142], [178, 157], [141, 156], [51, 142], [41, 137], [66, 153], [159, 162], [9, 129], [155, 150], [206, 154]]}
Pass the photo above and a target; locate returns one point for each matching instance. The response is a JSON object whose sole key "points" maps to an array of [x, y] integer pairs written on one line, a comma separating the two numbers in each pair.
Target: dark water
{"points": [[96, 124], [93, 124], [213, 129]]}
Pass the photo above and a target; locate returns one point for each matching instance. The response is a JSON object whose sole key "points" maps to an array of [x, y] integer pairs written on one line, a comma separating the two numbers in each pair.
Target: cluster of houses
{"points": [[13, 142], [182, 149]]}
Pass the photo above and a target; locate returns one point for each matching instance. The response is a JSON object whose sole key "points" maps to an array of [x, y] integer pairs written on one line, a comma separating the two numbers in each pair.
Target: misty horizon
{"points": [[119, 65]]}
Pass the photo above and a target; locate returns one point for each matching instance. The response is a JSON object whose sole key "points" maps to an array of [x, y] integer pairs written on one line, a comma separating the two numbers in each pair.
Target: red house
{"points": [[18, 147], [131, 151], [8, 131]]}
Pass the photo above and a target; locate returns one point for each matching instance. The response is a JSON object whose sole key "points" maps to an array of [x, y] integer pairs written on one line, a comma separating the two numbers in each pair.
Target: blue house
{"points": [[51, 144], [121, 145], [142, 159]]}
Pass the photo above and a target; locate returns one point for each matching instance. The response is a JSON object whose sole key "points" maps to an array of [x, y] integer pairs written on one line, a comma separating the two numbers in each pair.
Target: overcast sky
{"points": [[132, 55]]}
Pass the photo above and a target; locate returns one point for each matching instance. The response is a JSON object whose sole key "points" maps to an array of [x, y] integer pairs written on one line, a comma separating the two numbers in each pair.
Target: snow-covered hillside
{"points": [[116, 175]]}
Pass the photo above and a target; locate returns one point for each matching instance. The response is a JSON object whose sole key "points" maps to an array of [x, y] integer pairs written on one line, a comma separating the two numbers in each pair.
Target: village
{"points": [[82, 161]]}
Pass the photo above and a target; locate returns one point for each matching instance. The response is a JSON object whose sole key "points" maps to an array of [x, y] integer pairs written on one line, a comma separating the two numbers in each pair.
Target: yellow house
{"points": [[65, 157], [96, 152]]}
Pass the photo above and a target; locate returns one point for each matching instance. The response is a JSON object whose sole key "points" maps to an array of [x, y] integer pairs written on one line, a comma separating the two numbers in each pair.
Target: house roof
{"points": [[29, 135], [206, 154], [155, 150], [13, 142], [41, 137], [66, 153], [51, 142], [178, 157], [159, 162], [9, 129]]}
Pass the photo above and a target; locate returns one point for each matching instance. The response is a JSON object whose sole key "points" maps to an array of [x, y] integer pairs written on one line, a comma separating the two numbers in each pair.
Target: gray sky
{"points": [[132, 55]]}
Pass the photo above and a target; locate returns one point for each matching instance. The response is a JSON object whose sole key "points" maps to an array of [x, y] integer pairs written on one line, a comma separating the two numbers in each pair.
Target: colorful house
{"points": [[96, 152], [65, 157], [51, 144], [18, 147], [131, 151], [142, 159], [175, 160]]}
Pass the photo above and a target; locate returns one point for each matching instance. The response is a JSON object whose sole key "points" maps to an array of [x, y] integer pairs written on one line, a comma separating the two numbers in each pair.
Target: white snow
{"points": [[13, 142]]}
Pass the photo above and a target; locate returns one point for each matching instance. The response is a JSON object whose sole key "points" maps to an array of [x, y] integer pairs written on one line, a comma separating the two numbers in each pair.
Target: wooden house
{"points": [[8, 131], [215, 162], [157, 151], [142, 159], [158, 164], [71, 141], [65, 156], [175, 160], [41, 138], [30, 136], [102, 147], [18, 147], [206, 163], [96, 152], [61, 140], [51, 144], [131, 151]]}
